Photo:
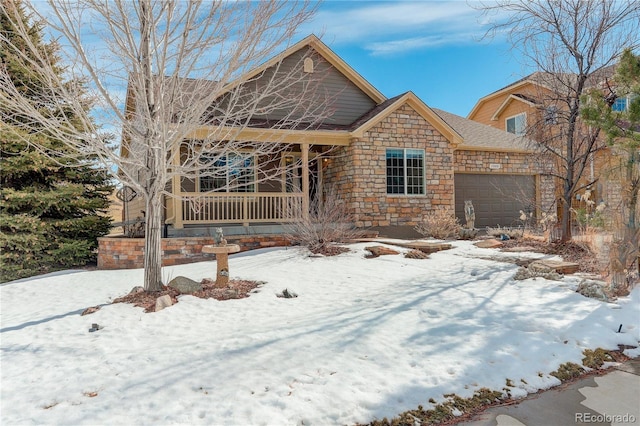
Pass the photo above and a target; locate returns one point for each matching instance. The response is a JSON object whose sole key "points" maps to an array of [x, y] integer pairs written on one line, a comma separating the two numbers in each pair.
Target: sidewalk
{"points": [[611, 399]]}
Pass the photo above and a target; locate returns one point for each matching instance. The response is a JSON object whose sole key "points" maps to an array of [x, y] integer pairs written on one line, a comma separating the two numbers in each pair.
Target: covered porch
{"points": [[275, 189]]}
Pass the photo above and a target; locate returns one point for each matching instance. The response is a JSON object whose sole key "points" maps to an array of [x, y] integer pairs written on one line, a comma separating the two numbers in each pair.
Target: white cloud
{"points": [[385, 28], [399, 46]]}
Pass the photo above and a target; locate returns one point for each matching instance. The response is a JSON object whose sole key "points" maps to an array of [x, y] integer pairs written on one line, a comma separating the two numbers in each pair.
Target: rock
{"points": [[90, 310], [416, 254], [556, 265], [185, 285], [95, 327], [540, 267], [137, 289], [380, 251], [287, 294], [425, 246], [489, 243], [163, 302], [546, 273], [467, 234], [593, 289], [230, 293]]}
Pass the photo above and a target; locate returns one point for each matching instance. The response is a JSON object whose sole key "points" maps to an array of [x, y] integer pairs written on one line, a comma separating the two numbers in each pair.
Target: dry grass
{"points": [[572, 251]]}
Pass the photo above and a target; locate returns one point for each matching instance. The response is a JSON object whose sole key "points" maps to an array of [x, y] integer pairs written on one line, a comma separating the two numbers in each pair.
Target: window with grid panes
{"points": [[405, 171], [230, 173]]}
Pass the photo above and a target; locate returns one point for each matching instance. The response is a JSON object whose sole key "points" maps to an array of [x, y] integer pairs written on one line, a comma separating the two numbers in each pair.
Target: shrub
{"points": [[328, 222], [440, 224], [511, 233]]}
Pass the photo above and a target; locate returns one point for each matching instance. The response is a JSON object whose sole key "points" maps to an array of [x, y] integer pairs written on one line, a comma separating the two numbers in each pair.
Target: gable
{"points": [[332, 93], [309, 78], [410, 99], [513, 99], [506, 106]]}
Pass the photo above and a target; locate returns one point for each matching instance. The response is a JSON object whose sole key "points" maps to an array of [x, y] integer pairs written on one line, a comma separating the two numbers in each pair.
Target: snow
{"points": [[364, 339]]}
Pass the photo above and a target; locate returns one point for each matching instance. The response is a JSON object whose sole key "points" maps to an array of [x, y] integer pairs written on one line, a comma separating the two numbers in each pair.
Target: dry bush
{"points": [[440, 224], [328, 222], [623, 263], [512, 233]]}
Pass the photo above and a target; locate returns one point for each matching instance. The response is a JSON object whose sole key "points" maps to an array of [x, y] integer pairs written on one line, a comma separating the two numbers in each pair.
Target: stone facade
{"points": [[358, 172]]}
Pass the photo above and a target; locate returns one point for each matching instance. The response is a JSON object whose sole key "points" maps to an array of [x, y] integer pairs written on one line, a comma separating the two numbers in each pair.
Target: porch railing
{"points": [[240, 207]]}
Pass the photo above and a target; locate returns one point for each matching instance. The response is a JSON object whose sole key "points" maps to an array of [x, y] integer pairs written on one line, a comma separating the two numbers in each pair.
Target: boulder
{"points": [[546, 273], [416, 254], [467, 234], [557, 266], [90, 310], [163, 302], [593, 289], [185, 285], [379, 251], [489, 243]]}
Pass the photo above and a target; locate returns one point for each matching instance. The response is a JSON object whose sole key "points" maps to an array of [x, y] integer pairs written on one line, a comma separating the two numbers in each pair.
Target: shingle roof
{"points": [[374, 111], [477, 135]]}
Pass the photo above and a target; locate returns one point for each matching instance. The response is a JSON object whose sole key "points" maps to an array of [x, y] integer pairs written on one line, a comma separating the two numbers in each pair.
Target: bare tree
{"points": [[571, 43], [183, 68]]}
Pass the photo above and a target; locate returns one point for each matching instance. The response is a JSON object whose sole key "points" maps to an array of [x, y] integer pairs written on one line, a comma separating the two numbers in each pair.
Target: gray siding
{"points": [[325, 93]]}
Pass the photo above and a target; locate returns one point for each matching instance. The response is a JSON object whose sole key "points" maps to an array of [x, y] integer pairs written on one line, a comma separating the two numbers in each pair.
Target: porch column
{"points": [[176, 190], [305, 180]]}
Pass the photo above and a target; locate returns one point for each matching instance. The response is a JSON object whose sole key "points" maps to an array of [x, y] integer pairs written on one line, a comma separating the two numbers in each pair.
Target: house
{"points": [[531, 107], [390, 159]]}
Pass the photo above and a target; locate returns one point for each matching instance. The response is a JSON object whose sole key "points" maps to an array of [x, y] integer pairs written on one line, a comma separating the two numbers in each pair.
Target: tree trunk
{"points": [[153, 245], [565, 223]]}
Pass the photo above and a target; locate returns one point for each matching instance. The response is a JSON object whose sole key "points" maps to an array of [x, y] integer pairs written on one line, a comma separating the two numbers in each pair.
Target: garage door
{"points": [[497, 199]]}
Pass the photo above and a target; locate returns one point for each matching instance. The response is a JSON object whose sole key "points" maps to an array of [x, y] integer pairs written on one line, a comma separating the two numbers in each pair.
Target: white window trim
{"points": [[424, 172], [226, 175], [524, 130]]}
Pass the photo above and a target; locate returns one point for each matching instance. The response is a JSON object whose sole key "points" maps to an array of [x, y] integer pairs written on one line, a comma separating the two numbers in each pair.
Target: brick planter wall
{"points": [[127, 253]]}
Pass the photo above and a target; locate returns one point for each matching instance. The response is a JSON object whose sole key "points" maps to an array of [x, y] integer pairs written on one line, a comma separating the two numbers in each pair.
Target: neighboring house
{"points": [[530, 107], [390, 160]]}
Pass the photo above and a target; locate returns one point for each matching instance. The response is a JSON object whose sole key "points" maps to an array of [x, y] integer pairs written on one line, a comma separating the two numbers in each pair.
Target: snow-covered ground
{"points": [[364, 339]]}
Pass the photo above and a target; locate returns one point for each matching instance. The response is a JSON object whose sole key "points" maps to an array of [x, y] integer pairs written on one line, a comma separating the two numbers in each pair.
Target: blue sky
{"points": [[432, 48]]}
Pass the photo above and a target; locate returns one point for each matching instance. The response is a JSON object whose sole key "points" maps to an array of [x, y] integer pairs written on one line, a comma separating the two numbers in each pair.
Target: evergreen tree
{"points": [[51, 212], [616, 110]]}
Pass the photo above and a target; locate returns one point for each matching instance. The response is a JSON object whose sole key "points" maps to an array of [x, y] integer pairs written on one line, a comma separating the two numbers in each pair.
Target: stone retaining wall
{"points": [[128, 253]]}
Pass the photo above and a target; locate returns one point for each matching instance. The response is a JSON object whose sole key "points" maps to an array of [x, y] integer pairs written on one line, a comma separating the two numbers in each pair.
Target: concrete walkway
{"points": [[611, 399]]}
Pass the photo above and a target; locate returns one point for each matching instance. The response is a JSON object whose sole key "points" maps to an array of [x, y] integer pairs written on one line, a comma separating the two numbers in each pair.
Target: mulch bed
{"points": [[236, 289]]}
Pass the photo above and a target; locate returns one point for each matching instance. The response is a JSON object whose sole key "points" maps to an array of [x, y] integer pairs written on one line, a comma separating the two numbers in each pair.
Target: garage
{"points": [[497, 199]]}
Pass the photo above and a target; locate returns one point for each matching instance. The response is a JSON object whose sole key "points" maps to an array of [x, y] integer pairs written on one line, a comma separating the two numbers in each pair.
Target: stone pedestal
{"points": [[222, 259]]}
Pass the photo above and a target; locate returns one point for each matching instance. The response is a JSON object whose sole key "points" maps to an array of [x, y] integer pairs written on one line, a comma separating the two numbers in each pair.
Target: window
{"points": [[620, 105], [517, 124], [405, 171], [230, 173], [551, 115]]}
